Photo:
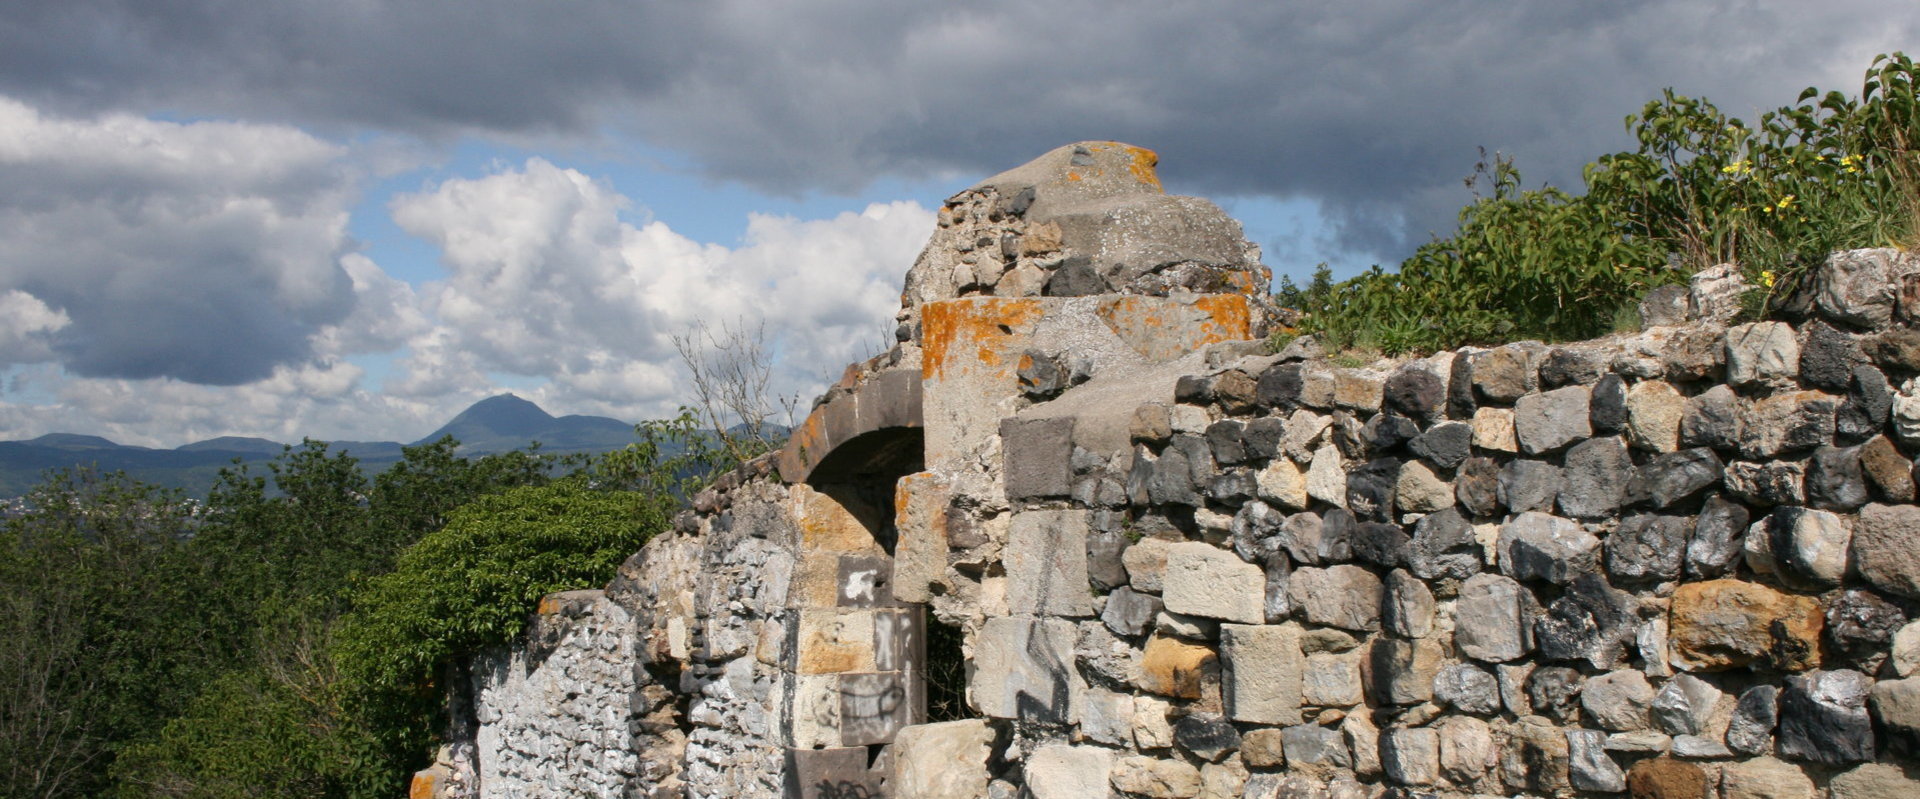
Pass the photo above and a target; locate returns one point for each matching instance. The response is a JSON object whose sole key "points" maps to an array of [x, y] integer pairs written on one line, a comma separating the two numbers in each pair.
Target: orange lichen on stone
{"points": [[983, 323], [807, 439], [826, 525], [1170, 667], [1161, 329], [428, 783], [1229, 315], [1144, 161]]}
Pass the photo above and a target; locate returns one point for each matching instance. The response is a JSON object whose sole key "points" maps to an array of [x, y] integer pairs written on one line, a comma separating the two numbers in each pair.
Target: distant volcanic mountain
{"points": [[496, 424]]}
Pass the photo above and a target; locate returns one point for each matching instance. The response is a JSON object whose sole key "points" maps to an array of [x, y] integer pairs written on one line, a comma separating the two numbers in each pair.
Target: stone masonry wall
{"points": [[1676, 563], [1679, 563]]}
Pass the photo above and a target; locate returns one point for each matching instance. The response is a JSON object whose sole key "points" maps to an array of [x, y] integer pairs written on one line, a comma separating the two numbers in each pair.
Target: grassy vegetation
{"points": [[1832, 171]]}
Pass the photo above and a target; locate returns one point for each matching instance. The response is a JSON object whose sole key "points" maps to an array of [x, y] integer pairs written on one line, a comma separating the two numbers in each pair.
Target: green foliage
{"points": [[1830, 172], [275, 728], [471, 585], [86, 627]]}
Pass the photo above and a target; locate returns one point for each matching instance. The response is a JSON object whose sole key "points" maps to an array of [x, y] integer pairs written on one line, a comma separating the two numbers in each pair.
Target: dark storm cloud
{"points": [[1373, 108], [205, 252]]}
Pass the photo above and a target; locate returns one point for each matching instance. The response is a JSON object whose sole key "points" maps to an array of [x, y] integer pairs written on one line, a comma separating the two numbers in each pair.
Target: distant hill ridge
{"points": [[496, 424]]}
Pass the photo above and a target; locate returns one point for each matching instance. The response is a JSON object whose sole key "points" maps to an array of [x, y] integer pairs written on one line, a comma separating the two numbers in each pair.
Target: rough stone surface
{"points": [[1263, 748], [1419, 490], [1446, 444], [1261, 672], [1896, 703], [1648, 547], [1146, 564], [1685, 705], [1716, 543], [1444, 545], [1410, 756], [1729, 623], [1539, 546], [1596, 471], [1905, 656], [1313, 749], [1666, 778], [1171, 667], [1494, 618], [1765, 778], [1467, 749], [1468, 688], [1408, 608], [1535, 757], [1750, 731], [1827, 357], [1767, 484], [1204, 580], [1810, 547], [1493, 430], [1047, 564], [1836, 479], [1552, 420], [1022, 670], [1654, 409], [1332, 679], [947, 760], [1502, 375], [1886, 548], [1129, 612], [1856, 287], [1861, 625], [1589, 768], [1711, 419], [1618, 700], [1400, 672], [1206, 736], [1668, 479], [1341, 596], [1154, 778], [1889, 472], [1527, 485], [1874, 781], [1762, 352], [1823, 718], [1590, 621]]}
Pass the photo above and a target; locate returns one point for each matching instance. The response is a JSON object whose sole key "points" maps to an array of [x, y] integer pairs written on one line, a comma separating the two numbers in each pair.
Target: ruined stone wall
{"points": [[555, 715], [1674, 563]]}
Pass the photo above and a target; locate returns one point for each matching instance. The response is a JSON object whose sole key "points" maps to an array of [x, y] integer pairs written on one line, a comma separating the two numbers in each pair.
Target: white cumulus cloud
{"points": [[546, 277]]}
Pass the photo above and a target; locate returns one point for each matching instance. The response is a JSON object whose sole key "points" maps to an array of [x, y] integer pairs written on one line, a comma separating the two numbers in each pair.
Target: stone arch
{"points": [[854, 657]]}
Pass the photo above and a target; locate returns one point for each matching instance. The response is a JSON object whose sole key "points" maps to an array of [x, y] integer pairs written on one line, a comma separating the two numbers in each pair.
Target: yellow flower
{"points": [[1784, 202], [1739, 167], [1766, 278]]}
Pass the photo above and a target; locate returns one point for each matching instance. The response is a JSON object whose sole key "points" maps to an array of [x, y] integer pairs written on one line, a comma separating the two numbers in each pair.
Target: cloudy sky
{"points": [[352, 218]]}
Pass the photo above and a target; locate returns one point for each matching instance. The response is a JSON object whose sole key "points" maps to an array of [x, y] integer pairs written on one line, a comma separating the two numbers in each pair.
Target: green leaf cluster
{"points": [[1701, 188]]}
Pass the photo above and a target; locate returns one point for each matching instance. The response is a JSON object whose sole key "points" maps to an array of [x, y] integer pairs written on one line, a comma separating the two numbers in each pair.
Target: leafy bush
{"points": [[470, 586], [1830, 172]]}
